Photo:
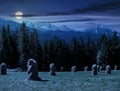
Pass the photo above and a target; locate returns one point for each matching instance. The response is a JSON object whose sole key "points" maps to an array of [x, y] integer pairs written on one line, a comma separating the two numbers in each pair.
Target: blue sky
{"points": [[76, 14]]}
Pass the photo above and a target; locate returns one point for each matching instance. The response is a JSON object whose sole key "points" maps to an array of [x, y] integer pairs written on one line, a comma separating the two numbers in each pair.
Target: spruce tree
{"points": [[36, 51], [23, 46], [102, 57], [6, 45], [114, 49]]}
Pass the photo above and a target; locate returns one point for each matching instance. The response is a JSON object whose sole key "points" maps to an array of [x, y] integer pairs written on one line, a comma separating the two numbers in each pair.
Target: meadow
{"points": [[64, 81]]}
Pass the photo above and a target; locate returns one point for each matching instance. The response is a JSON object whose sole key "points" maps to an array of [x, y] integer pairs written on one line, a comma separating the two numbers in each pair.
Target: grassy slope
{"points": [[66, 81]]}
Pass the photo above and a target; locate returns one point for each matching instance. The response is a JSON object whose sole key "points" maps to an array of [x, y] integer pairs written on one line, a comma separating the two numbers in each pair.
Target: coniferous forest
{"points": [[17, 46]]}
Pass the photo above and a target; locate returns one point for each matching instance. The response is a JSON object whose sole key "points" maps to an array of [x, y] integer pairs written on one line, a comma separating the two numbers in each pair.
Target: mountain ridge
{"points": [[48, 31]]}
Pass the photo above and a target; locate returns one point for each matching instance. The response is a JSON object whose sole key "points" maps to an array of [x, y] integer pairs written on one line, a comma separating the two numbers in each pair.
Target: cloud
{"points": [[99, 7], [43, 14], [27, 15], [68, 20]]}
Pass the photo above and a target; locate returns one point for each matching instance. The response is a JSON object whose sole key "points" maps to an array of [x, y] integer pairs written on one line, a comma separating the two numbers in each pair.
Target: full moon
{"points": [[19, 15]]}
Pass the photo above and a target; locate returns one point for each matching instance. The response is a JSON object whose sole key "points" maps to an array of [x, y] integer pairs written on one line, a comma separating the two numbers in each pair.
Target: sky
{"points": [[75, 14]]}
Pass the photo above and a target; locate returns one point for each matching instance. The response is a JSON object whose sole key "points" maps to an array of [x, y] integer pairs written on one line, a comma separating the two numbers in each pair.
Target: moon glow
{"points": [[19, 15]]}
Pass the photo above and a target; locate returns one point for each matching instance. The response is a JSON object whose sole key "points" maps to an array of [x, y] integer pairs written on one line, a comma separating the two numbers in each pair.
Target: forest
{"points": [[17, 46]]}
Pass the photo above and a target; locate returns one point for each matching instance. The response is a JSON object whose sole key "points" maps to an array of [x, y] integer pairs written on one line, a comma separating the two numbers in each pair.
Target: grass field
{"points": [[64, 81]]}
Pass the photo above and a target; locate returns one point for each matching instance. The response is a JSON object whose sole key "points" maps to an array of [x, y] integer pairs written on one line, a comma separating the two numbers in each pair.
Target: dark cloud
{"points": [[27, 15], [73, 20], [42, 14], [93, 7], [99, 7]]}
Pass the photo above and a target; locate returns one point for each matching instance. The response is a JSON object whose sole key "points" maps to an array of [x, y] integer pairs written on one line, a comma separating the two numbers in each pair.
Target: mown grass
{"points": [[64, 81]]}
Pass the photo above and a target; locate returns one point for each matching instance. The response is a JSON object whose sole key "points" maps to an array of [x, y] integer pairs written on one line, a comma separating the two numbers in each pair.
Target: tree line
{"points": [[17, 46]]}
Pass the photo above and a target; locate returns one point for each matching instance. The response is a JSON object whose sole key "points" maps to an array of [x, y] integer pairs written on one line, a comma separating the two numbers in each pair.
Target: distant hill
{"points": [[99, 29], [13, 25], [67, 35], [48, 31]]}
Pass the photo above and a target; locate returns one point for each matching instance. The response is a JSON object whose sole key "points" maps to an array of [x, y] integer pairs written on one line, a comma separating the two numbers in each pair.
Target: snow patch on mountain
{"points": [[99, 29], [46, 26], [65, 28], [90, 27], [13, 25]]}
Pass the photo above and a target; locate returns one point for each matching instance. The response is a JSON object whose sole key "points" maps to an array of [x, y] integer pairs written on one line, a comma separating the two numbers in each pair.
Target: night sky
{"points": [[75, 14]]}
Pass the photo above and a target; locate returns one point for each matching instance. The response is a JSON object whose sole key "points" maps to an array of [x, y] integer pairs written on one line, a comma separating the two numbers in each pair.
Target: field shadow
{"points": [[41, 80], [44, 80]]}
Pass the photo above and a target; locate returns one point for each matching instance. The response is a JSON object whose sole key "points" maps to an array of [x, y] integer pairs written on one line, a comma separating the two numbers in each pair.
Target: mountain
{"points": [[48, 31], [66, 35], [65, 28], [41, 26], [13, 25], [46, 26], [99, 29]]}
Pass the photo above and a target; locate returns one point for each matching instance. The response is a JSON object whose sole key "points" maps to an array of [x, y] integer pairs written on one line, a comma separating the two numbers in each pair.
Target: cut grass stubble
{"points": [[64, 81]]}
